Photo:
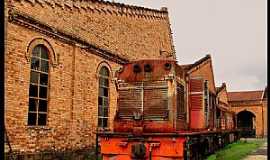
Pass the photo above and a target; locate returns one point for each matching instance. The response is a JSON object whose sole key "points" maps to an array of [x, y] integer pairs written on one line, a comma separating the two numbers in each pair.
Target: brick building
{"points": [[250, 108], [60, 59]]}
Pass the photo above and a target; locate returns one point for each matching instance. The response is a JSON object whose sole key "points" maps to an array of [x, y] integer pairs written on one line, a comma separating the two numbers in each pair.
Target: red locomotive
{"points": [[164, 113]]}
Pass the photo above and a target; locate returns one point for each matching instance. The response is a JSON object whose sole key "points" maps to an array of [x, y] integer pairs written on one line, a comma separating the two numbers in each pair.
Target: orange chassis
{"points": [[150, 146]]}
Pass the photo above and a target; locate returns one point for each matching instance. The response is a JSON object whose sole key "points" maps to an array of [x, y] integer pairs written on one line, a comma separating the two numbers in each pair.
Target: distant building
{"points": [[250, 108]]}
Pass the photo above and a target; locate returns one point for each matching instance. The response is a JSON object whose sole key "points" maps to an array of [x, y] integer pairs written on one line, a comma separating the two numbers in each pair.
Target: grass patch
{"points": [[237, 150]]}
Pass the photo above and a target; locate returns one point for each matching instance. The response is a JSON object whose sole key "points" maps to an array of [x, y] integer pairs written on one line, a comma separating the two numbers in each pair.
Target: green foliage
{"points": [[236, 151]]}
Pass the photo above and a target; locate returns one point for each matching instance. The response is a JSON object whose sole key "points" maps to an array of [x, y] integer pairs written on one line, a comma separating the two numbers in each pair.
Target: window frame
{"points": [[181, 111], [38, 84], [102, 107]]}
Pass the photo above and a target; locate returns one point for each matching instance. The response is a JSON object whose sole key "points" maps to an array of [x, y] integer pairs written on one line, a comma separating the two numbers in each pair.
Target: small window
{"points": [[206, 101], [180, 101], [38, 89], [103, 97]]}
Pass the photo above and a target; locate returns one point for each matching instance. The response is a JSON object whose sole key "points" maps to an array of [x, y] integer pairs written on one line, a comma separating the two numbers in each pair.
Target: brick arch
{"points": [[104, 64], [36, 41], [255, 110], [248, 110]]}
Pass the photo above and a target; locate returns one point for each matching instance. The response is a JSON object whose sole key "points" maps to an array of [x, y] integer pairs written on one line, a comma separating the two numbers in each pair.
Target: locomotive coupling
{"points": [[138, 150]]}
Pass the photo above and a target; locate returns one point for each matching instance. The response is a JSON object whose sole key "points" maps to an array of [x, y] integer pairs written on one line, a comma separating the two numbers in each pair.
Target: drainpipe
{"points": [[262, 121]]}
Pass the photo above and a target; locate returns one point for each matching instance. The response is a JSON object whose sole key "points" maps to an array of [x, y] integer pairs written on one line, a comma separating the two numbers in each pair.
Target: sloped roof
{"points": [[122, 29], [245, 96], [188, 67], [218, 89]]}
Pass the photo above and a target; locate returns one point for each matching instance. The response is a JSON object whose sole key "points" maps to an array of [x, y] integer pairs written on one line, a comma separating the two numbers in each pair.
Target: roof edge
{"points": [[101, 6]]}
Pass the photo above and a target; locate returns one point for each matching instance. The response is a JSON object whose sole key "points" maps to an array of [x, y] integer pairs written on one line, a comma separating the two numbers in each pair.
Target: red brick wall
{"points": [[73, 87], [129, 32], [72, 108]]}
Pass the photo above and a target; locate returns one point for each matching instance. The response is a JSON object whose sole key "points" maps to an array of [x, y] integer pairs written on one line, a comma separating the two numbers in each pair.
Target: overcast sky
{"points": [[232, 31]]}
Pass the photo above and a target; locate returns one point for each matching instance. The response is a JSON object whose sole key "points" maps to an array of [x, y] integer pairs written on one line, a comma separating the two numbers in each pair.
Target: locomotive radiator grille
{"points": [[147, 98]]}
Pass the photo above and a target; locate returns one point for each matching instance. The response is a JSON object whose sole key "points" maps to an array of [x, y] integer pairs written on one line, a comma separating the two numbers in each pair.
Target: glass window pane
{"points": [[100, 111], [104, 71], [44, 52], [42, 106], [42, 92], [105, 102], [105, 92], [104, 82], [36, 51], [33, 91], [32, 118], [42, 119], [105, 114], [34, 63], [100, 122], [43, 79], [33, 104], [100, 101], [34, 77], [101, 92], [44, 66], [105, 122]]}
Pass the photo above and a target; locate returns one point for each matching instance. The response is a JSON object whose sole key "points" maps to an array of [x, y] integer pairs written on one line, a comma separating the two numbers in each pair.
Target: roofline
{"points": [[112, 7], [223, 86], [162, 9], [27, 21], [198, 62], [246, 91]]}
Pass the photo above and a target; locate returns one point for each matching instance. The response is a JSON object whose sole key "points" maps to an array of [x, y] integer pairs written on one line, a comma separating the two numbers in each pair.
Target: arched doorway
{"points": [[246, 121]]}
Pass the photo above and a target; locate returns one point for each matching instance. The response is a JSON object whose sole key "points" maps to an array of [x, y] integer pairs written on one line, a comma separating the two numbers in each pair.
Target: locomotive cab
{"points": [[151, 97]]}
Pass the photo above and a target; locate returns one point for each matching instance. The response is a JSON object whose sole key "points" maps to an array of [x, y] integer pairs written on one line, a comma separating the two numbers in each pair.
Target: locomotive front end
{"points": [[145, 122]]}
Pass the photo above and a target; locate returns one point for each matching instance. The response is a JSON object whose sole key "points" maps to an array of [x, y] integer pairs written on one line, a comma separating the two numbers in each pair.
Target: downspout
{"points": [[262, 114], [262, 121]]}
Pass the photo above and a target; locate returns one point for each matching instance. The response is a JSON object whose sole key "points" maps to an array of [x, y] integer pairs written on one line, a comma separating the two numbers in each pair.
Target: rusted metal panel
{"points": [[159, 70], [147, 98]]}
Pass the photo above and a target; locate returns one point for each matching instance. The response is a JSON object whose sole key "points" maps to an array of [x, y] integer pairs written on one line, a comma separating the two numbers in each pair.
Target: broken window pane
{"points": [[43, 79], [42, 106], [35, 63], [42, 119], [42, 92], [32, 117], [33, 91], [44, 66], [34, 77]]}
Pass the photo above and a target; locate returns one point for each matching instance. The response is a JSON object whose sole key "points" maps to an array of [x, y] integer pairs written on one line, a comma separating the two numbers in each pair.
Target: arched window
{"points": [[103, 97], [38, 89]]}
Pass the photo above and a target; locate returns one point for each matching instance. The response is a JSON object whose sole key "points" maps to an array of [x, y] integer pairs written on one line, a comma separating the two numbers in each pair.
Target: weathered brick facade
{"points": [[81, 37], [254, 102]]}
